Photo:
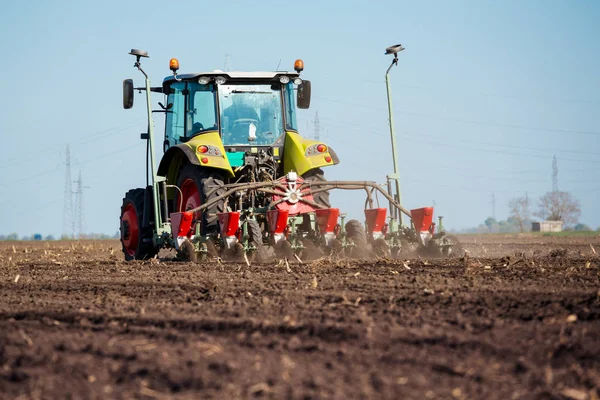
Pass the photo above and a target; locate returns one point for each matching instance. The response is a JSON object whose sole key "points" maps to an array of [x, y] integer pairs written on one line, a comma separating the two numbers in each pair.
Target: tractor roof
{"points": [[238, 75]]}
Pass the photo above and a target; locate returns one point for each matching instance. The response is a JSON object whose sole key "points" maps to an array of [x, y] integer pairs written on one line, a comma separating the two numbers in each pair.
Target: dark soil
{"points": [[519, 317]]}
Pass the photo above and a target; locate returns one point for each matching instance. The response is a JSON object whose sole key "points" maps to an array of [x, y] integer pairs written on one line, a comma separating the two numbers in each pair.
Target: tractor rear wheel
{"points": [[355, 233], [317, 175], [135, 238], [198, 186]]}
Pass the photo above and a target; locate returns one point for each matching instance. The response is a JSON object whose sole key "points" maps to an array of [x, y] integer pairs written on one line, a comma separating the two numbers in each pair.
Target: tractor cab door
{"points": [[193, 112], [175, 119]]}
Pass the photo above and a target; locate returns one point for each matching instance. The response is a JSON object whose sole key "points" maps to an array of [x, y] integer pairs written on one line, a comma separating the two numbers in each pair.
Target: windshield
{"points": [[250, 114]]}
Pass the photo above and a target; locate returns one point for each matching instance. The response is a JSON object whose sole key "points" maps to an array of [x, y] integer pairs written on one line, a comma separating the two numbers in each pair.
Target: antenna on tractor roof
{"points": [[395, 49], [138, 55]]}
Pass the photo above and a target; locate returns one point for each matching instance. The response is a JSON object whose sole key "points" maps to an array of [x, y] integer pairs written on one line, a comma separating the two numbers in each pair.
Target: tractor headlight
{"points": [[284, 79], [203, 80], [219, 80], [297, 81]]}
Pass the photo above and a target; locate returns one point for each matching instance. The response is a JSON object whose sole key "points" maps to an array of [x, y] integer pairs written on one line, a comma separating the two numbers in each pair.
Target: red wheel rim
{"points": [[190, 196], [130, 230]]}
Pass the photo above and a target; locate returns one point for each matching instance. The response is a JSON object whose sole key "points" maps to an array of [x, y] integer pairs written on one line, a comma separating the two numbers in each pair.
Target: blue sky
{"points": [[484, 95]]}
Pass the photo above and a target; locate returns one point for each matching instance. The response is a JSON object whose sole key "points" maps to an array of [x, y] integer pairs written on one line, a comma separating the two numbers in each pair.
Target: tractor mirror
{"points": [[127, 94], [303, 98]]}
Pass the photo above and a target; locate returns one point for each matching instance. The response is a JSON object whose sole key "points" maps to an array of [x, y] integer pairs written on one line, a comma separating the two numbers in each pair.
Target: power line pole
{"points": [[317, 127], [554, 174], [80, 208], [494, 205], [68, 220]]}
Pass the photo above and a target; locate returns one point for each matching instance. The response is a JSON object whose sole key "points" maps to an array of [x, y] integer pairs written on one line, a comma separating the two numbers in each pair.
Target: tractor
{"points": [[238, 181]]}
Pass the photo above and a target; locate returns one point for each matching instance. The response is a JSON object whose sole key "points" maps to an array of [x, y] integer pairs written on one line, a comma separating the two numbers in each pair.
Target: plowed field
{"points": [[518, 318]]}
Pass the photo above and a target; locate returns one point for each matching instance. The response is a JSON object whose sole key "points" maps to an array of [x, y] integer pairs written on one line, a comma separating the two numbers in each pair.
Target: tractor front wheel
{"points": [[135, 238]]}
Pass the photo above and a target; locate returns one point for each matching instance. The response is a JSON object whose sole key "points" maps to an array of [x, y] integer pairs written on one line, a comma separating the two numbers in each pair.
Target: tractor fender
{"points": [[173, 159], [301, 155], [190, 152]]}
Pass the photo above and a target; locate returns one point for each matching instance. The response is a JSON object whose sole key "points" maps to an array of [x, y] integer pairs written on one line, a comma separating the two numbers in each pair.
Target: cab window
{"points": [[202, 110], [290, 107], [175, 121], [193, 111]]}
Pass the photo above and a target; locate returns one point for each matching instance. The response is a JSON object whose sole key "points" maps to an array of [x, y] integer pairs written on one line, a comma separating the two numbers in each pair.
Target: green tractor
{"points": [[236, 177]]}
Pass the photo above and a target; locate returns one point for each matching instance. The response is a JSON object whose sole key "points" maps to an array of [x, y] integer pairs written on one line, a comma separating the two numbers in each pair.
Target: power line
{"points": [[500, 151], [470, 189], [489, 94], [511, 146], [84, 140], [486, 123], [359, 128], [49, 171], [110, 153], [452, 92], [30, 177]]}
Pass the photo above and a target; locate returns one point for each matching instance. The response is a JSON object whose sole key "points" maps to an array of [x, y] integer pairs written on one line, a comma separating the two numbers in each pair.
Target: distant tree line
{"points": [[39, 236], [552, 206]]}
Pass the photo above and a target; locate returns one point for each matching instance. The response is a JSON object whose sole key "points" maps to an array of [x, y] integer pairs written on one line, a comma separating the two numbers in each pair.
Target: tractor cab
{"points": [[243, 124], [246, 109]]}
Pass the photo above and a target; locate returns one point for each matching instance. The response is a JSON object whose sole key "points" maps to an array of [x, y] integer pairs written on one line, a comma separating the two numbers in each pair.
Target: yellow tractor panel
{"points": [[204, 150], [301, 155], [210, 151]]}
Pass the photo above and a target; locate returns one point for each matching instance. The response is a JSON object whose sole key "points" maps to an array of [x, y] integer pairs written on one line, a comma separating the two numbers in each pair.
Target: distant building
{"points": [[547, 226]]}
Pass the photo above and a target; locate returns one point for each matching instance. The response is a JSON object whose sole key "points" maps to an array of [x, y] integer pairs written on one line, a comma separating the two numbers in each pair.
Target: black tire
{"points": [[136, 239], [381, 249], [317, 175], [256, 240], [452, 247], [355, 232], [209, 184]]}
